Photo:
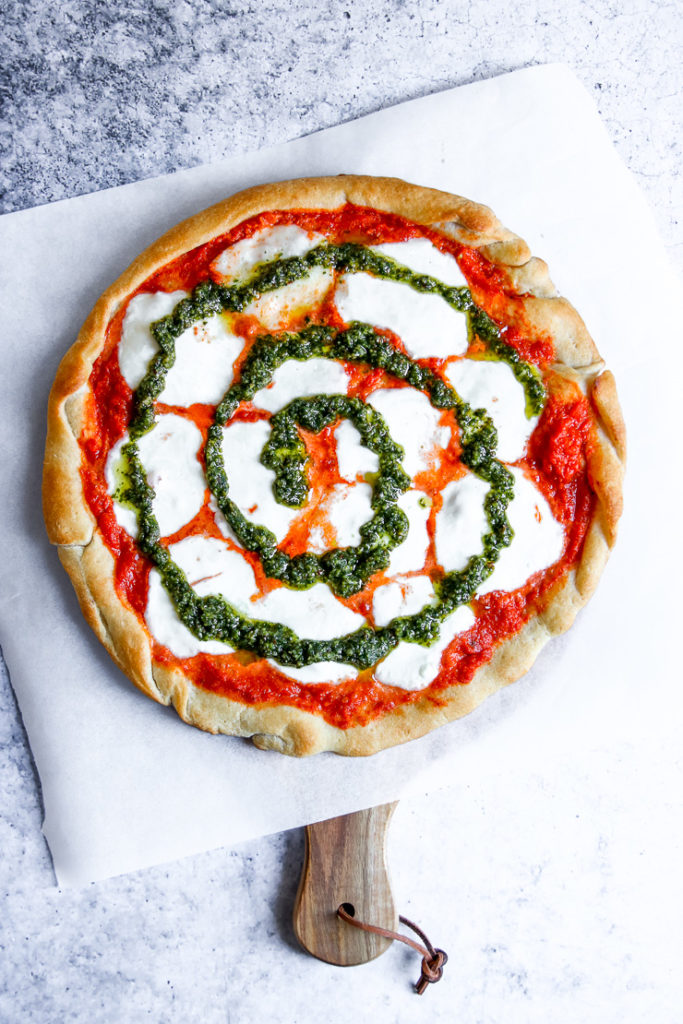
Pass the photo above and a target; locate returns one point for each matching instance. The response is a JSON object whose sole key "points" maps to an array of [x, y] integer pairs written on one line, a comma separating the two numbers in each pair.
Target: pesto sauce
{"points": [[345, 570]]}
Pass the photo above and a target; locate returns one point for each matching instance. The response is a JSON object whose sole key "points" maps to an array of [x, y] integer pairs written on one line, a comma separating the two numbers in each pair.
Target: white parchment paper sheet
{"points": [[125, 783]]}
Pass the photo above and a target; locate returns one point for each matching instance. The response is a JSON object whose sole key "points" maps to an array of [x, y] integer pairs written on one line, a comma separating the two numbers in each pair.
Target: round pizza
{"points": [[330, 462]]}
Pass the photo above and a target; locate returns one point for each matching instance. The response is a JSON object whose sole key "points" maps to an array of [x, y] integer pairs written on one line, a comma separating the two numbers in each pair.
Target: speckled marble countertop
{"points": [[562, 914]]}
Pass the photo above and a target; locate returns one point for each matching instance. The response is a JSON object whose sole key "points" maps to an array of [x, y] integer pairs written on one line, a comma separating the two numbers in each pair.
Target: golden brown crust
{"points": [[116, 626], [90, 565]]}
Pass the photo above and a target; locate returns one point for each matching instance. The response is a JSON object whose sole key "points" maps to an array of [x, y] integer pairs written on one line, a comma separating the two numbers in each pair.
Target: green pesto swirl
{"points": [[346, 570]]}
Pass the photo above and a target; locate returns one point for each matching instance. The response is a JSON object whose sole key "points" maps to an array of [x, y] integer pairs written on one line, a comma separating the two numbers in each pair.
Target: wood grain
{"points": [[345, 862]]}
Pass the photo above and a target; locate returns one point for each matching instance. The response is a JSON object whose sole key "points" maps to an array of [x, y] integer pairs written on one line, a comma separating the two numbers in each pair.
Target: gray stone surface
{"points": [[101, 94], [539, 928]]}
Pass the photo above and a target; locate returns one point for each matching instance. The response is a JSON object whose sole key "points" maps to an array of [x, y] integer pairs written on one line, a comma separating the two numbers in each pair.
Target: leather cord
{"points": [[433, 959]]}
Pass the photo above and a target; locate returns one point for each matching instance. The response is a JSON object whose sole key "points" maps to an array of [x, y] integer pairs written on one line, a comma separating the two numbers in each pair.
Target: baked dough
{"points": [[518, 297]]}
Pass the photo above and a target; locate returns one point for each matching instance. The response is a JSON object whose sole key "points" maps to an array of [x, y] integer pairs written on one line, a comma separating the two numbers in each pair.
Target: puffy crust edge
{"points": [[90, 565], [91, 569]]}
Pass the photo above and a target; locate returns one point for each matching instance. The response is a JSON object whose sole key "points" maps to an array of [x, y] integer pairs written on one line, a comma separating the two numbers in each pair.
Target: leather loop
{"points": [[433, 959]]}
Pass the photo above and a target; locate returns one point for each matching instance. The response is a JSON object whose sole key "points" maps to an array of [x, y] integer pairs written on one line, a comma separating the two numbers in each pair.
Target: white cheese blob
{"points": [[240, 259], [169, 455], [348, 507], [167, 628], [425, 323], [345, 508], [410, 555], [461, 522], [491, 385], [353, 458], [125, 516], [413, 423], [313, 614], [275, 309], [538, 542], [405, 595], [412, 666], [318, 542], [250, 484], [202, 371], [420, 255], [319, 672], [213, 568], [300, 379], [137, 346]]}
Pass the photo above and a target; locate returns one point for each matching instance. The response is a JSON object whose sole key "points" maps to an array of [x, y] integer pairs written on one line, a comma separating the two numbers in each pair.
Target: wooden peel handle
{"points": [[345, 863]]}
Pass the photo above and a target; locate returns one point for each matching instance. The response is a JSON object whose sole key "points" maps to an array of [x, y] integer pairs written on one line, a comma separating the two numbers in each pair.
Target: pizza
{"points": [[330, 462]]}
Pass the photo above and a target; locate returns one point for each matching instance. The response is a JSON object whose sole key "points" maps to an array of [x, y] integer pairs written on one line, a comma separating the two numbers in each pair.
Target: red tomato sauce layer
{"points": [[556, 460]]}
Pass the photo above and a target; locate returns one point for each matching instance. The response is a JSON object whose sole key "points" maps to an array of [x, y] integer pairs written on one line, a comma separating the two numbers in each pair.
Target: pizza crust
{"points": [[90, 565]]}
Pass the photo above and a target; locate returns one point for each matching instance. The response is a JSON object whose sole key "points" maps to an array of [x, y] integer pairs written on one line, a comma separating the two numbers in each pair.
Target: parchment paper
{"points": [[125, 783]]}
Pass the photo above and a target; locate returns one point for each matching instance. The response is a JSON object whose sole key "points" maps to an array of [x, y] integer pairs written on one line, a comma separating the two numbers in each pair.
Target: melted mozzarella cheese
{"points": [[167, 628], [125, 516], [202, 371], [137, 346], [461, 522], [213, 568], [491, 385], [345, 508], [410, 555], [319, 672], [204, 353], [313, 614], [425, 323], [405, 595], [348, 507], [250, 483], [275, 309], [240, 259], [537, 544], [420, 255], [169, 455], [299, 379], [414, 424], [318, 543], [412, 666], [353, 458]]}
